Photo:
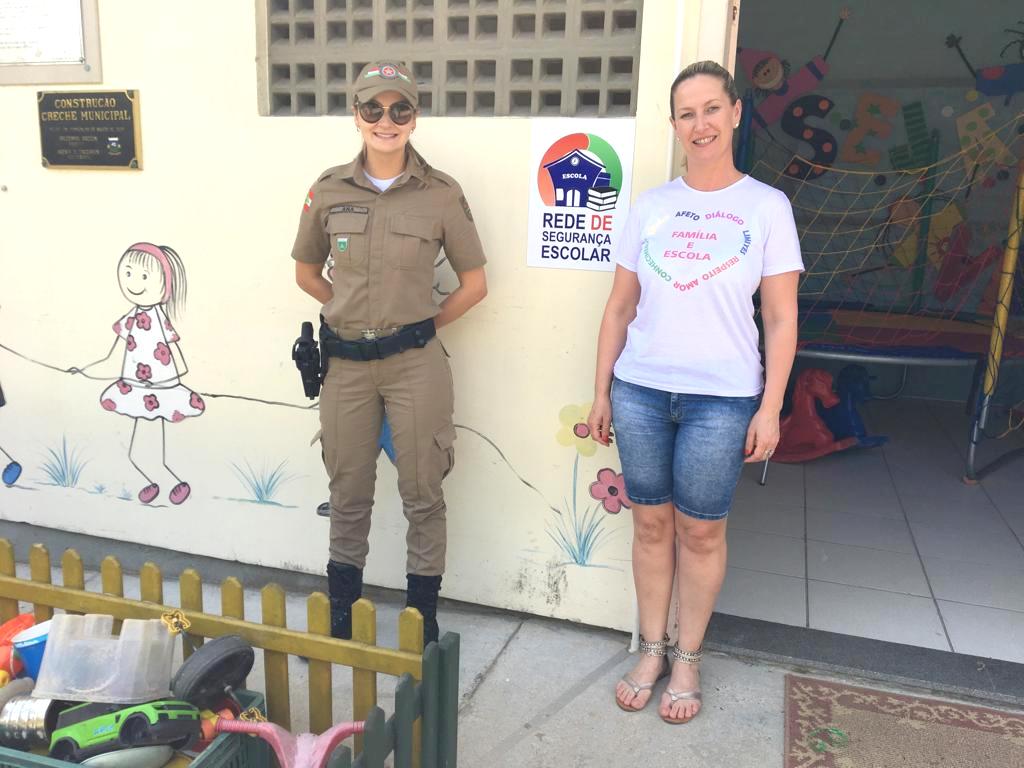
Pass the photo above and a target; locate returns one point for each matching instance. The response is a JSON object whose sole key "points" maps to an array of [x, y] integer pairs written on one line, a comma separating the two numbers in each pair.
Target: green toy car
{"points": [[86, 730]]}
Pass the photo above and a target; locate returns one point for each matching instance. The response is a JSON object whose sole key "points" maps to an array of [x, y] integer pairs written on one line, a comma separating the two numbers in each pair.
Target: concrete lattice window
{"points": [[469, 57]]}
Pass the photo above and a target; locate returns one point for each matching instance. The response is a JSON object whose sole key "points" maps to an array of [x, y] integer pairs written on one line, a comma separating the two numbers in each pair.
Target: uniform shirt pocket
{"points": [[348, 237], [415, 241]]}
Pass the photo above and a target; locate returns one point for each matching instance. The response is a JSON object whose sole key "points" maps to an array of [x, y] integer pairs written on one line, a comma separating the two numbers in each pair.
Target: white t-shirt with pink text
{"points": [[700, 257]]}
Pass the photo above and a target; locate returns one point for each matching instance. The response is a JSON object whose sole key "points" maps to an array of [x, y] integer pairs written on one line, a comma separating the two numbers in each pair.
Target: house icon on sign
{"points": [[573, 176]]}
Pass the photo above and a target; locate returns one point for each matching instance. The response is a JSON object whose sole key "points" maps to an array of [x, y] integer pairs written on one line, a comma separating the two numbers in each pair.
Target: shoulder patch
{"points": [[443, 177], [465, 207], [309, 200]]}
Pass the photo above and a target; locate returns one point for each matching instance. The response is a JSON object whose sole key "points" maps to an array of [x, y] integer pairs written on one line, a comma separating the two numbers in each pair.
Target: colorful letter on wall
{"points": [[870, 122], [980, 145], [794, 123]]}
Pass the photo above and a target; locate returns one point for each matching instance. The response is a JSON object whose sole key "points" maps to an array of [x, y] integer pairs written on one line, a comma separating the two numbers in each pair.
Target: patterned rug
{"points": [[831, 725]]}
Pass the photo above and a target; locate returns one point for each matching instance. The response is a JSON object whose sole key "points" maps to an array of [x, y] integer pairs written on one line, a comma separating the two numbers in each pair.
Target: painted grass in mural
{"points": [[63, 467], [262, 484]]}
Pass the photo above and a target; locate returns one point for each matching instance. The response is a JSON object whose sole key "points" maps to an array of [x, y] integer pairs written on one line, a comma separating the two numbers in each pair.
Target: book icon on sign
{"points": [[602, 198]]}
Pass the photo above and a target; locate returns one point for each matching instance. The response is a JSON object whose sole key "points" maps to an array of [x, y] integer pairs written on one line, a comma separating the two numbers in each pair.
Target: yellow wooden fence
{"points": [[361, 653]]}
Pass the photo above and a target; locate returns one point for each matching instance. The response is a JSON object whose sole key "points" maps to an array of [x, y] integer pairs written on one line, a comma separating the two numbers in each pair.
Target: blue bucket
{"points": [[30, 645]]}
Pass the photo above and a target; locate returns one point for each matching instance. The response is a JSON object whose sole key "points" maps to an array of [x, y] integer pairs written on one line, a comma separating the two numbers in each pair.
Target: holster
{"points": [[306, 355]]}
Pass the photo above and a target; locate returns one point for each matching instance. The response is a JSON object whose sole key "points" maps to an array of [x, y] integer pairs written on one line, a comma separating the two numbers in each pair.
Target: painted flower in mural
{"points": [[117, 327], [123, 387], [610, 490], [143, 372], [574, 430], [162, 353], [130, 343], [151, 402], [143, 320], [197, 402]]}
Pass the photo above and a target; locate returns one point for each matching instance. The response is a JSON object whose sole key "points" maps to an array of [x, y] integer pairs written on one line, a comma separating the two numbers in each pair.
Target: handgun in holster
{"points": [[306, 355]]}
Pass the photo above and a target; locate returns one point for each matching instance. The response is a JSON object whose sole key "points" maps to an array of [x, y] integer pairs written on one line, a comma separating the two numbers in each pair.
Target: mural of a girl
{"points": [[12, 469], [152, 279]]}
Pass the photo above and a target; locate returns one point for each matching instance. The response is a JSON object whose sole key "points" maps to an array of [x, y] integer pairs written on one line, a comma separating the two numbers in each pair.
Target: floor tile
{"points": [[779, 520], [955, 542], [764, 552], [873, 613], [766, 596], [851, 483], [989, 632], [861, 567], [859, 530], [981, 584]]}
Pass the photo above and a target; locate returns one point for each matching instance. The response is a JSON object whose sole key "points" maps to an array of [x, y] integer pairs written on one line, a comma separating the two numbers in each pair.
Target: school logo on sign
{"points": [[579, 204], [580, 170]]}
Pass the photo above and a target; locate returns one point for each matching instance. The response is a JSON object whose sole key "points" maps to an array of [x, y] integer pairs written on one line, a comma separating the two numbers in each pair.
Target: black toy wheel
{"points": [[135, 730], [209, 674], [184, 742], [64, 749]]}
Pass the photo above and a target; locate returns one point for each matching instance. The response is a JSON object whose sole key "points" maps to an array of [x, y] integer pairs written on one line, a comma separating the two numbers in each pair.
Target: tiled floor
{"points": [[888, 542]]}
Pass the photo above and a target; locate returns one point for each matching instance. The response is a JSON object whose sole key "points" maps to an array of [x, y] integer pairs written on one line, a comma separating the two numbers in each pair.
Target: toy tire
{"points": [[185, 742], [65, 749], [218, 664], [135, 730]]}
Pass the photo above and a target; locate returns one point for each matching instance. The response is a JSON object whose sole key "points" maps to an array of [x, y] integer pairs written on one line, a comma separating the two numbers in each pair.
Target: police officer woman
{"points": [[383, 218]]}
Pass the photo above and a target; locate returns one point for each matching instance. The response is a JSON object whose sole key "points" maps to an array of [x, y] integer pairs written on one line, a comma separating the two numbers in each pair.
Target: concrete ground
{"points": [[538, 692]]}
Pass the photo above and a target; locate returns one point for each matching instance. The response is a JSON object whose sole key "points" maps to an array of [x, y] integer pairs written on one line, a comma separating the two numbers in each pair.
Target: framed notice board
{"points": [[90, 129]]}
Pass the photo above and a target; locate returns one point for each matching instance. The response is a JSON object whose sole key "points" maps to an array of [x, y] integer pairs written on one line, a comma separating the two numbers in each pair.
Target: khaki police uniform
{"points": [[385, 246]]}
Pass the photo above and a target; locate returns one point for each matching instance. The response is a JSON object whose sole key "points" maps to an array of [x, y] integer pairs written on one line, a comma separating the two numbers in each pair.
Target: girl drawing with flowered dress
{"points": [[152, 278]]}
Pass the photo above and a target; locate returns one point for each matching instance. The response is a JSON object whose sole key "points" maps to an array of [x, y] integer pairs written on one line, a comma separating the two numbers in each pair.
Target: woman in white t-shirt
{"points": [[679, 373]]}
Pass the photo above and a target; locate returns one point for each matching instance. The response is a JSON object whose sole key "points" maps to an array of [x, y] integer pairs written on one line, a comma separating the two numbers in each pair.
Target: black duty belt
{"points": [[414, 336]]}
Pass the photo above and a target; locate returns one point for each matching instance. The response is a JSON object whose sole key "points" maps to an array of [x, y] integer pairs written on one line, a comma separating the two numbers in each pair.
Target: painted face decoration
{"points": [[769, 74], [141, 281]]}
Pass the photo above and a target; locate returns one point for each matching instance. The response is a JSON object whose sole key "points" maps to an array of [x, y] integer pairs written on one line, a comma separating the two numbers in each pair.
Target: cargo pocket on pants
{"points": [[444, 438]]}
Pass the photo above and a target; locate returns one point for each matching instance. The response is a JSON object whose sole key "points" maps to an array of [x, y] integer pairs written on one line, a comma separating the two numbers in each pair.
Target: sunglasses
{"points": [[401, 112]]}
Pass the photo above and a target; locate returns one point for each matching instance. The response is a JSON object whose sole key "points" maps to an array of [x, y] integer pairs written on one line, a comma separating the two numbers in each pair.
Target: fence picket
{"points": [[39, 569], [275, 663], [375, 739], [8, 606], [448, 711], [151, 583], [364, 681], [191, 591], [232, 598], [405, 716], [112, 579], [430, 701], [321, 698]]}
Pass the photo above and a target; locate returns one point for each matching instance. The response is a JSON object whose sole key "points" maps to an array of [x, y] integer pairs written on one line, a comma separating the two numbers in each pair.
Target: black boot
{"points": [[345, 584], [422, 595]]}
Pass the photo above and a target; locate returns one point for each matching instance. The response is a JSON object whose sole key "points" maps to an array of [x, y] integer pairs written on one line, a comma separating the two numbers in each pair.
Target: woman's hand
{"points": [[762, 436], [600, 420]]}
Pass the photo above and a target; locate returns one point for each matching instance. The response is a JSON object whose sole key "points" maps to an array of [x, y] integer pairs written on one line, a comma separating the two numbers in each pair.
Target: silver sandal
{"points": [[647, 649], [684, 657]]}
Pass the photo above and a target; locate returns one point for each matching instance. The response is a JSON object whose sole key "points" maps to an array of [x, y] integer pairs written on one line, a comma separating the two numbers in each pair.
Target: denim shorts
{"points": [[687, 449]]}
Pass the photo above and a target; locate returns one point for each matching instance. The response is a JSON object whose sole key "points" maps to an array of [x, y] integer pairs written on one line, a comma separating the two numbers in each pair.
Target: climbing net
{"points": [[909, 257]]}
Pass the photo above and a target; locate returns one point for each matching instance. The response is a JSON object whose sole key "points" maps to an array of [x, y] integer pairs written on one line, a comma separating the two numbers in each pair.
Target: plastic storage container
{"points": [[85, 662], [228, 750]]}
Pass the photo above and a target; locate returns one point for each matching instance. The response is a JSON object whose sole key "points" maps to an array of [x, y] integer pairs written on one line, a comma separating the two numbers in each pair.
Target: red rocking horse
{"points": [[805, 435]]}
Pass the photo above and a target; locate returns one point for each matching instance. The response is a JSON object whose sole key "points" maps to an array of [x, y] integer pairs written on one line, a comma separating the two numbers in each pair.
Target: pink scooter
{"points": [[302, 751]]}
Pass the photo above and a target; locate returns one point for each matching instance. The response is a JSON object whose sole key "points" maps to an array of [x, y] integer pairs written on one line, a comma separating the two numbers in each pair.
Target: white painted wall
{"points": [[224, 187]]}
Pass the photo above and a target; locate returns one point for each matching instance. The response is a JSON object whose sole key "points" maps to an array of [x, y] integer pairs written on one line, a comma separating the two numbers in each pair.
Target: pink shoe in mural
{"points": [[150, 492], [179, 493]]}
